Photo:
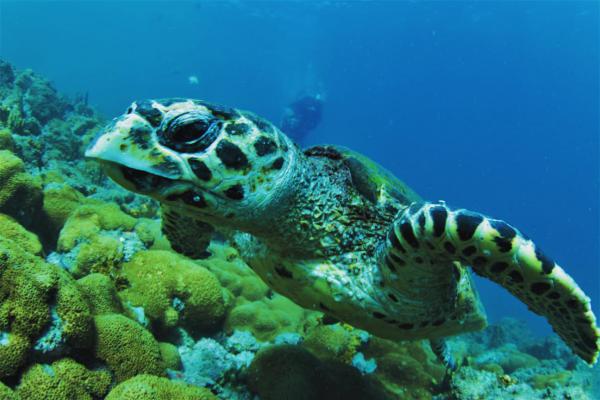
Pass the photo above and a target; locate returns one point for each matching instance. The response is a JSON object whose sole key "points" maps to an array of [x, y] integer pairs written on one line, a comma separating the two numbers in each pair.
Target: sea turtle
{"points": [[329, 228]]}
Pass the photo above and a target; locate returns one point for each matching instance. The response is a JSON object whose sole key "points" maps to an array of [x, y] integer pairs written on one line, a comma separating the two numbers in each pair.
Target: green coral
{"points": [[100, 294], [96, 230], [88, 220], [148, 387], [334, 342], [170, 355], [20, 193], [173, 291], [126, 347], [6, 140], [60, 200], [6, 393], [29, 291], [63, 379], [14, 231], [100, 254]]}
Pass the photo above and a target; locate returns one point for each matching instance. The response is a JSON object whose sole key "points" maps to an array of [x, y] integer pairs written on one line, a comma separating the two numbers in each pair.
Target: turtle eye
{"points": [[190, 132]]}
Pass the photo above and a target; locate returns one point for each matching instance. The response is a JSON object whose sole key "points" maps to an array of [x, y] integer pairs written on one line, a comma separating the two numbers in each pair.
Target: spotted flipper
{"points": [[499, 252], [187, 236], [440, 348]]}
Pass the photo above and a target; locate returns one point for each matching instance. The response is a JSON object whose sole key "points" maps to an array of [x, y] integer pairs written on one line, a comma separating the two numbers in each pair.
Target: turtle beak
{"points": [[128, 155], [129, 143]]}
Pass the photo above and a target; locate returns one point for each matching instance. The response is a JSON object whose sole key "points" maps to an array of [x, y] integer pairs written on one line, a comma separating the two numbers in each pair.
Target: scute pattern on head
{"points": [[213, 158]]}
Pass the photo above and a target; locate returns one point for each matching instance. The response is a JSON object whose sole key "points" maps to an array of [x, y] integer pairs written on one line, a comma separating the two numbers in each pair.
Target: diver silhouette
{"points": [[302, 116]]}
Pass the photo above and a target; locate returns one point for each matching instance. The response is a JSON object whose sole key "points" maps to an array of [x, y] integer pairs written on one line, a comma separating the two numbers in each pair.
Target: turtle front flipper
{"points": [[499, 252], [187, 235]]}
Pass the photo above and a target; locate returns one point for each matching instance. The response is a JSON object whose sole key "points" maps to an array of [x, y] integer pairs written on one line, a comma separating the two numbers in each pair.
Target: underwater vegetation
{"points": [[95, 304]]}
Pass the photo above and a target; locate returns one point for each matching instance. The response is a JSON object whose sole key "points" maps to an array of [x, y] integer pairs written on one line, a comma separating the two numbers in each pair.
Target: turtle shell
{"points": [[371, 180]]}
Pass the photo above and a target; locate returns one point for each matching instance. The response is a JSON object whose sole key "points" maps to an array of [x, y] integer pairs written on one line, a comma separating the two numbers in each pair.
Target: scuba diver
{"points": [[302, 116]]}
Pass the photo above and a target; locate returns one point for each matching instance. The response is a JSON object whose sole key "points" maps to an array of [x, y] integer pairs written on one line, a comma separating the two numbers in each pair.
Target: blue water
{"points": [[491, 106]]}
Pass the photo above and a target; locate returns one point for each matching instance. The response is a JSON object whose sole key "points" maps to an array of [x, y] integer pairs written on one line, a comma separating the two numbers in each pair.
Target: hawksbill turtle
{"points": [[330, 229]]}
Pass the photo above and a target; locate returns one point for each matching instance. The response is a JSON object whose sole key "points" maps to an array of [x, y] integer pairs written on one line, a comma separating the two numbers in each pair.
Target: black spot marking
{"points": [[467, 223], [406, 326], [547, 263], [323, 307], [140, 135], [540, 288], [422, 222], [469, 251], [235, 192], [516, 276], [264, 146], [283, 272], [450, 247], [237, 129], [499, 267], [408, 234], [505, 230], [504, 244], [231, 155], [260, 123], [394, 241], [200, 169], [438, 322], [553, 295], [438, 215], [393, 297], [378, 315], [222, 112], [278, 163], [151, 114]]}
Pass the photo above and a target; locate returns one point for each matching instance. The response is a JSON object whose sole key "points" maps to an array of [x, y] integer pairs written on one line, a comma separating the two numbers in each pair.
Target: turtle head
{"points": [[210, 160]]}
